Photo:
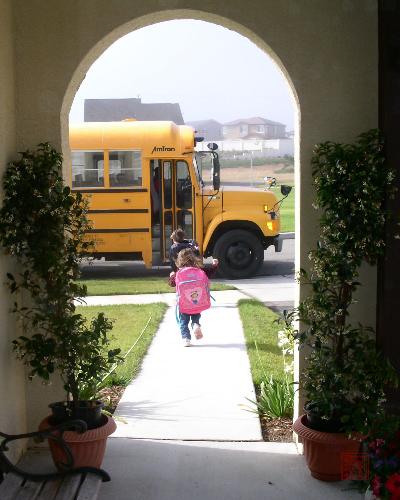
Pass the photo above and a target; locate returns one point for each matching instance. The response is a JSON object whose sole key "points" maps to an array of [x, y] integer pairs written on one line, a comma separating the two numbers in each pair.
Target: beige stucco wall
{"points": [[12, 381], [328, 49]]}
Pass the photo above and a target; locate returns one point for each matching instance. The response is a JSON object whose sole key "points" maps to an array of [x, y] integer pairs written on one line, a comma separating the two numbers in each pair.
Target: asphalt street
{"points": [[275, 264]]}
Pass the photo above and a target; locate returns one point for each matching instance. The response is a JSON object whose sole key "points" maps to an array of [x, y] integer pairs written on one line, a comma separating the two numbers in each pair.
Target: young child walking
{"points": [[179, 243], [191, 281]]}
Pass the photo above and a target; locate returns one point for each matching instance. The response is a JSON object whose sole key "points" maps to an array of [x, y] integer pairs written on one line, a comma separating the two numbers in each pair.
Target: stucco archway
{"points": [[329, 51]]}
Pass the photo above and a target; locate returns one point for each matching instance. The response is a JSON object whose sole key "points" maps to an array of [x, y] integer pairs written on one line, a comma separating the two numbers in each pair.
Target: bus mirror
{"points": [[285, 190], [215, 171], [213, 146]]}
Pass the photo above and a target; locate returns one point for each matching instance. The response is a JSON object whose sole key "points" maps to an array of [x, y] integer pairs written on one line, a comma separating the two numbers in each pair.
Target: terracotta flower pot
{"points": [[87, 448], [88, 411], [323, 450]]}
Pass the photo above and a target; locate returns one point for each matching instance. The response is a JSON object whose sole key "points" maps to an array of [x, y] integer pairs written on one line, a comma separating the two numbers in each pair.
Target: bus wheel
{"points": [[240, 254]]}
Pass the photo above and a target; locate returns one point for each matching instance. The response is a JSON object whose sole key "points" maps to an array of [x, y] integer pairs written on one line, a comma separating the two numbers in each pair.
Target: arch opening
{"points": [[153, 20]]}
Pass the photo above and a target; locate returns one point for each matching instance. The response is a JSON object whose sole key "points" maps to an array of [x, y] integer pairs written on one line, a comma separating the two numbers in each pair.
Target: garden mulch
{"points": [[277, 429], [110, 396]]}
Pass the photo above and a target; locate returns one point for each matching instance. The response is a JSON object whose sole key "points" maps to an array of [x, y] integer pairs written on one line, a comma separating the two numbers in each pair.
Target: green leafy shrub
{"points": [[43, 225], [275, 399], [345, 377]]}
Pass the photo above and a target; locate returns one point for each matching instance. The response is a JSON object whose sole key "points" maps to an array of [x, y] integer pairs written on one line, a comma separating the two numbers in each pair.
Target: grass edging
{"points": [[137, 286], [259, 326], [129, 322]]}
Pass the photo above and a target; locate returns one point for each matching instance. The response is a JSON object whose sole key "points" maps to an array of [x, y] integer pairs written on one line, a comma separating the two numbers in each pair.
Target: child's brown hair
{"points": [[178, 235], [187, 258]]}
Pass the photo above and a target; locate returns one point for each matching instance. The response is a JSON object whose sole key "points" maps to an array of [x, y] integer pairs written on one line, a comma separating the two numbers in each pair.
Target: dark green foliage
{"points": [[345, 376], [42, 224], [275, 399]]}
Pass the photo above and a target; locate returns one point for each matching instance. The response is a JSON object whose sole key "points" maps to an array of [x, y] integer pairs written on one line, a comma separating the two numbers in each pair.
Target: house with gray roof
{"points": [[110, 110], [253, 128]]}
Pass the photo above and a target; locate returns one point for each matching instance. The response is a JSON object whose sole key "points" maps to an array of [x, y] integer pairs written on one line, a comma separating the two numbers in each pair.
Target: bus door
{"points": [[177, 202]]}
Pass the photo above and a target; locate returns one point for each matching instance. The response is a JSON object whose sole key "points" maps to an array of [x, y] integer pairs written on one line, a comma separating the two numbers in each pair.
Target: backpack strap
{"points": [[209, 294]]}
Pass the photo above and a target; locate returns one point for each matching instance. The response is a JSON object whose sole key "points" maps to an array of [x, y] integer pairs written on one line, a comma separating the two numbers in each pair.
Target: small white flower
{"points": [[289, 368], [283, 342]]}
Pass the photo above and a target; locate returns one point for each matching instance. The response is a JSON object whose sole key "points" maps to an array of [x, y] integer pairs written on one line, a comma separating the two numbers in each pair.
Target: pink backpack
{"points": [[193, 293]]}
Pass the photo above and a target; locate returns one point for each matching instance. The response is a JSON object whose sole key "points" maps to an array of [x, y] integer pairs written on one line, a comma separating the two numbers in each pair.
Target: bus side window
{"points": [[125, 168], [183, 185], [87, 169], [167, 181]]}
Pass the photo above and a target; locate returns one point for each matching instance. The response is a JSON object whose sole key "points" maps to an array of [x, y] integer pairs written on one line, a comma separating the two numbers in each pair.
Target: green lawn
{"points": [[129, 321], [286, 210], [135, 286], [258, 325]]}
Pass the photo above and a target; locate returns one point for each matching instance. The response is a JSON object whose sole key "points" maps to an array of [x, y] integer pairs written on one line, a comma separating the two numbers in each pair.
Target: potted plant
{"points": [[345, 376], [43, 225]]}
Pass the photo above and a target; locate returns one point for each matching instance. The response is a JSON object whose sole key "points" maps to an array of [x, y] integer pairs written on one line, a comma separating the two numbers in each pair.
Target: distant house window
{"points": [[225, 130], [244, 129], [260, 129], [125, 168], [87, 169]]}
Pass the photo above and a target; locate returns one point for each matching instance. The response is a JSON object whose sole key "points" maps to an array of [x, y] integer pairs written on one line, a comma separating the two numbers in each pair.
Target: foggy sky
{"points": [[210, 71]]}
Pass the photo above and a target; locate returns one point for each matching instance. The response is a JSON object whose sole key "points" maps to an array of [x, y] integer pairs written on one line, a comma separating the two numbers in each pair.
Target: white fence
{"points": [[257, 147]]}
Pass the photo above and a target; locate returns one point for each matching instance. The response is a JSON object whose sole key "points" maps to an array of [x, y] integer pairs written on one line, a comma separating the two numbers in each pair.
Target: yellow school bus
{"points": [[143, 181]]}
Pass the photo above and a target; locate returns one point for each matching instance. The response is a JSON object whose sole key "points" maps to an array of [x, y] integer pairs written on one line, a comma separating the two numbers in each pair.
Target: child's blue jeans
{"points": [[184, 323]]}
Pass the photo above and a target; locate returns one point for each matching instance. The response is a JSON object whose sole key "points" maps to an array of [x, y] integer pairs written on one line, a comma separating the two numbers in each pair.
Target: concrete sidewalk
{"points": [[182, 470], [276, 292], [204, 470], [194, 393], [148, 298]]}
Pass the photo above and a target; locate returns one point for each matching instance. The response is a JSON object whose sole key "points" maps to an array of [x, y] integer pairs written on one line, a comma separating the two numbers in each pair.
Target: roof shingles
{"points": [[107, 110], [256, 120]]}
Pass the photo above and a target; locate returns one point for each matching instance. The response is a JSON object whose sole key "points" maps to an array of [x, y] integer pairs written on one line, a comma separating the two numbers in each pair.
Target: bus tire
{"points": [[240, 254]]}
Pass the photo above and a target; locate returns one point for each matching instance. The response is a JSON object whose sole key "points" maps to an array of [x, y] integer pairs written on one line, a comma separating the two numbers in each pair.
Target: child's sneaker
{"points": [[186, 343], [197, 331]]}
